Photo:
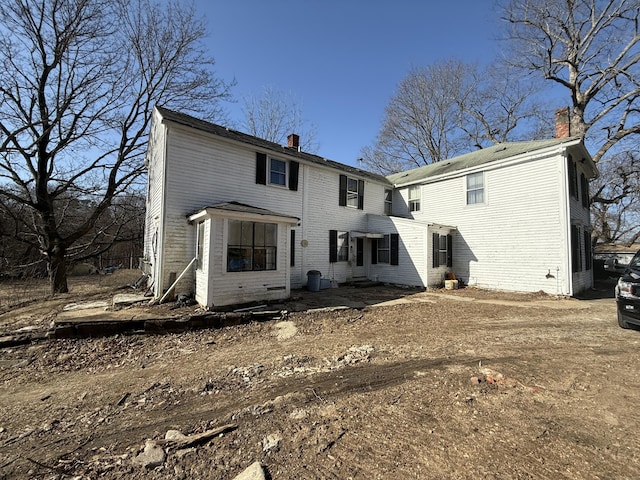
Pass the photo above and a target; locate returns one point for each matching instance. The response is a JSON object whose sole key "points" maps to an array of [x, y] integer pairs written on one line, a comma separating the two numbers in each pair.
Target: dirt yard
{"points": [[461, 384]]}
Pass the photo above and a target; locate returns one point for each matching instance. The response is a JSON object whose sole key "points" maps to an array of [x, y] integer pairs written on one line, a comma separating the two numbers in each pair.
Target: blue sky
{"points": [[341, 59]]}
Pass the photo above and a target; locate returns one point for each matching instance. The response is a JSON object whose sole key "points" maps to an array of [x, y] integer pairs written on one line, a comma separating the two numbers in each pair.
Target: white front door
{"points": [[359, 268]]}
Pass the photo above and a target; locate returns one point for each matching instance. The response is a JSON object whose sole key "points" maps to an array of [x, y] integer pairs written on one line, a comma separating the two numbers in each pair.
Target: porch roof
{"points": [[242, 211]]}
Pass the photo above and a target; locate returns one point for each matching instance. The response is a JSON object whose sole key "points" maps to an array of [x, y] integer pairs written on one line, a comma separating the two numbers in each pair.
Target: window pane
{"points": [[343, 246], [475, 188], [270, 235], [238, 259], [387, 195], [278, 172], [352, 192], [270, 258], [235, 232], [258, 229], [247, 233]]}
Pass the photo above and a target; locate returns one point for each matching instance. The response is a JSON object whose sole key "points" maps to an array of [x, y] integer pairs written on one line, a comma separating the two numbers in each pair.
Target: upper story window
{"points": [[251, 246], [388, 201], [277, 172], [475, 188], [351, 192], [414, 198]]}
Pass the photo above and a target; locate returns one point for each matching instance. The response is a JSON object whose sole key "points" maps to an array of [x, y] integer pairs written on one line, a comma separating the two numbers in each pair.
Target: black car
{"points": [[628, 294]]}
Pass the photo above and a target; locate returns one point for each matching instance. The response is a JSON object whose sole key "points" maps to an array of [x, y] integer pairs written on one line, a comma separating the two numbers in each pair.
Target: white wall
{"points": [[204, 169], [516, 240], [154, 202]]}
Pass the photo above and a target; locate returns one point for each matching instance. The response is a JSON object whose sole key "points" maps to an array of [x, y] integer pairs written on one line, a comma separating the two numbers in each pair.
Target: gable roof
{"points": [[501, 151], [219, 130]]}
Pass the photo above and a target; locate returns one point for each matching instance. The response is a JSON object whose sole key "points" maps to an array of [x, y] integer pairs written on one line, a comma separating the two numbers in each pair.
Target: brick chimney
{"points": [[563, 123], [293, 141]]}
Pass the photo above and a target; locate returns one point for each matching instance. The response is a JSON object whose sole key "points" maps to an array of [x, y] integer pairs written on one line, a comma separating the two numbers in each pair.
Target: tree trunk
{"points": [[58, 269]]}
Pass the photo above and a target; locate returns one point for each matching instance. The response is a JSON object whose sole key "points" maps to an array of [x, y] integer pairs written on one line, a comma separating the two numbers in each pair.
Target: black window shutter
{"points": [[342, 198], [449, 250], [361, 194], [292, 260], [293, 175], [261, 168], [359, 251], [585, 191], [435, 249], [374, 251], [395, 247], [333, 246]]}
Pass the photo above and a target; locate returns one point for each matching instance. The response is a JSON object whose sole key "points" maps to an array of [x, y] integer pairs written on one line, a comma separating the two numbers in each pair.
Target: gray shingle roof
{"points": [[500, 151], [276, 148]]}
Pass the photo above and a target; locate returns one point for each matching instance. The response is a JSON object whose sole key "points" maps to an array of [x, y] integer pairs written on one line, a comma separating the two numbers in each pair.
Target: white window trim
{"points": [[356, 192], [388, 204], [387, 237], [415, 199], [467, 190], [344, 236], [286, 173]]}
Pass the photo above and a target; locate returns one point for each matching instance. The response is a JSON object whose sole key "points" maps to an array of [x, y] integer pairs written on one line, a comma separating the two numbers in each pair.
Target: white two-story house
{"points": [[234, 218]]}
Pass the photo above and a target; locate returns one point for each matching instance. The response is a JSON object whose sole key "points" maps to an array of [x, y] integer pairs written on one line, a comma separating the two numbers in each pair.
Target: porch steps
{"points": [[362, 282]]}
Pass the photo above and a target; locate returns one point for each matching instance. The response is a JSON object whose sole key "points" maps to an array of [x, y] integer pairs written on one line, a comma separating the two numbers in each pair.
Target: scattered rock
{"points": [[85, 305], [285, 330], [153, 456], [252, 472], [175, 435], [271, 442], [125, 299]]}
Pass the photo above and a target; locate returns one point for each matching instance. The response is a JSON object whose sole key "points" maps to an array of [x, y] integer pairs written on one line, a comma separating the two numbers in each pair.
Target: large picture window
{"points": [[251, 246]]}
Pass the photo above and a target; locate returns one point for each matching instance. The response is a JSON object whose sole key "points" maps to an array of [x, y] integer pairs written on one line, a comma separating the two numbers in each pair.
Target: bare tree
{"points": [[591, 49], [78, 82], [615, 207], [273, 115], [444, 110]]}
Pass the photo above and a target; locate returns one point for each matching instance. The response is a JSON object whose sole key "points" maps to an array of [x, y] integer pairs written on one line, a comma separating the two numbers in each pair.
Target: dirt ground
{"points": [[460, 384]]}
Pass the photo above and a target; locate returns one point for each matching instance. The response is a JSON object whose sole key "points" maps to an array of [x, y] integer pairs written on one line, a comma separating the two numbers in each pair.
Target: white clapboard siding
{"points": [[516, 240], [154, 202], [228, 288], [412, 251], [204, 169]]}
